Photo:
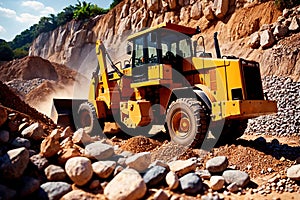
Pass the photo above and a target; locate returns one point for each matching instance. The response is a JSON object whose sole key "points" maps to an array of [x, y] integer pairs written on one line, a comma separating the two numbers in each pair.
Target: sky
{"points": [[18, 15]]}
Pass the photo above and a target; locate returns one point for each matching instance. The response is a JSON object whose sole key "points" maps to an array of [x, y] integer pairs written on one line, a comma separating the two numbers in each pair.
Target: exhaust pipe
{"points": [[217, 47]]}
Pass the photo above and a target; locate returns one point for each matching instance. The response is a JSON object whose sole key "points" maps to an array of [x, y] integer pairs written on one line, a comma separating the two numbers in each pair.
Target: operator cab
{"points": [[165, 44]]}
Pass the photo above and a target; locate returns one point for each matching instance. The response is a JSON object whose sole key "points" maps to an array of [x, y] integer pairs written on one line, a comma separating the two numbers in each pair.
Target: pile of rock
{"points": [[269, 34], [25, 86], [51, 166], [287, 120]]}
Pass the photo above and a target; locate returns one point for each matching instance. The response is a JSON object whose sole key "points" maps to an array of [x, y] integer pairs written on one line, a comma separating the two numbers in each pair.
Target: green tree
{"points": [[6, 53]]}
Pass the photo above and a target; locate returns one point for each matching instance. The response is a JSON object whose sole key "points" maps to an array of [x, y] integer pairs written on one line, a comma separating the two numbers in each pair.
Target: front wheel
{"points": [[187, 121], [87, 119]]}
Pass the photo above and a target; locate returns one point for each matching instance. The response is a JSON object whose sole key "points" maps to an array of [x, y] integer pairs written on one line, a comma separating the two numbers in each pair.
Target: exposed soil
{"points": [[140, 144]]}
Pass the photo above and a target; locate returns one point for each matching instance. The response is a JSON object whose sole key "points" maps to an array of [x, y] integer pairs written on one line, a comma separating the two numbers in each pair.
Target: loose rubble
{"points": [[286, 122]]}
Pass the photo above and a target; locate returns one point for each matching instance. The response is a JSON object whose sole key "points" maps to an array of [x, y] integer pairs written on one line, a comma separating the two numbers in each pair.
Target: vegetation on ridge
{"points": [[19, 47]]}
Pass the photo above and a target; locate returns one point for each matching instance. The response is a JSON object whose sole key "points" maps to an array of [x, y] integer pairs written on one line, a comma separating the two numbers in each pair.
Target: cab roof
{"points": [[174, 27]]}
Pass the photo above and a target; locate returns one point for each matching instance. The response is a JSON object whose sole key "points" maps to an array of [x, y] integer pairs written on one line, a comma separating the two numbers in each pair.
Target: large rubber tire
{"points": [[187, 121], [87, 119]]}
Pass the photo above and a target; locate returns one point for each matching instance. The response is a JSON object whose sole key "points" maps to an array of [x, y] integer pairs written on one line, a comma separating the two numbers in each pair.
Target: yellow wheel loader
{"points": [[167, 81]]}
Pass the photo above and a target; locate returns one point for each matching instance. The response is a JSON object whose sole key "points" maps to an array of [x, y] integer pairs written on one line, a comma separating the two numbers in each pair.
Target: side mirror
{"points": [[129, 49]]}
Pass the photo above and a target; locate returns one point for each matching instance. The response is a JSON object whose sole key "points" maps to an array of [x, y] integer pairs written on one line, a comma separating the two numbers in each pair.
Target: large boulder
{"points": [[139, 161], [280, 31], [49, 147], [34, 131], [266, 39], [221, 8], [237, 176], [254, 41], [14, 163], [54, 190], [79, 169], [295, 24], [55, 173], [127, 185], [294, 172], [209, 12], [99, 151], [39, 161], [196, 10], [217, 164]]}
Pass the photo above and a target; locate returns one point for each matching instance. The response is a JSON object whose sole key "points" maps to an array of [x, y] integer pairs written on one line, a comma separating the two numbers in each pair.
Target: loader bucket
{"points": [[64, 111]]}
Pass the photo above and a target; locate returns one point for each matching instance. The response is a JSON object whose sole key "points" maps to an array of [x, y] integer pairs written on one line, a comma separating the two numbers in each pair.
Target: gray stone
{"points": [[39, 161], [295, 24], [21, 142], [4, 136], [233, 187], [55, 190], [55, 173], [266, 39], [182, 167], [160, 195], [29, 186], [79, 169], [217, 164], [155, 175], [139, 161], [14, 163], [104, 168], [172, 180], [191, 183], [294, 172], [99, 151], [128, 184], [7, 193], [34, 131], [237, 176], [205, 174], [217, 182]]}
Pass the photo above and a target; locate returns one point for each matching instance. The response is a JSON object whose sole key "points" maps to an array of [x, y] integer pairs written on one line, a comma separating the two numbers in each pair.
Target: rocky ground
{"points": [[41, 161]]}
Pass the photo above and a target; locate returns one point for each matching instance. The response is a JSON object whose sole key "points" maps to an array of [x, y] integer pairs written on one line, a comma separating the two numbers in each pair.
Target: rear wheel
{"points": [[187, 121], [87, 119]]}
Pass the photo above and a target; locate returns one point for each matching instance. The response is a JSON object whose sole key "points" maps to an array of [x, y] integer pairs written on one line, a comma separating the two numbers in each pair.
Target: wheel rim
{"points": [[180, 124], [85, 119]]}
